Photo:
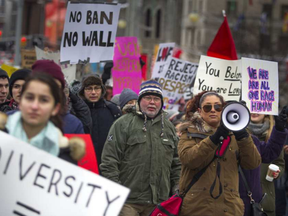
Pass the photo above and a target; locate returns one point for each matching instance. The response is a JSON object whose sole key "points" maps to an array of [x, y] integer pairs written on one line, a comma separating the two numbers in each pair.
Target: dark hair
{"points": [[195, 103], [56, 92]]}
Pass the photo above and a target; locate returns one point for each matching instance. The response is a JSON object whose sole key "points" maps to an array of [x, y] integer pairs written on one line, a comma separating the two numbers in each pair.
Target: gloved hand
{"points": [[241, 134], [281, 120], [74, 98], [221, 131]]}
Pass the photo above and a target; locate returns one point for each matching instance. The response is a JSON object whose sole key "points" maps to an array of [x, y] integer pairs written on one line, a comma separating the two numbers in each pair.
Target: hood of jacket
{"points": [[196, 122]]}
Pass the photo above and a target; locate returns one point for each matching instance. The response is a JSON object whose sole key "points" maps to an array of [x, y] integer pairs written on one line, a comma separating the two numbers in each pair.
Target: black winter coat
{"points": [[103, 114]]}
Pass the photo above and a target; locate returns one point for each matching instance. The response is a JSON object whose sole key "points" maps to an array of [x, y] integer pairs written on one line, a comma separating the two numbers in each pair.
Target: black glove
{"points": [[241, 134], [74, 98], [281, 120], [221, 131]]}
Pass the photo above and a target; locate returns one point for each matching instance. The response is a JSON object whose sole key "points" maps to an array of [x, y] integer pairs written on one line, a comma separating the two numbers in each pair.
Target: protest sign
{"points": [[69, 70], [34, 182], [28, 57], [164, 51], [126, 71], [9, 69], [260, 87], [89, 161], [176, 76], [89, 32], [222, 76]]}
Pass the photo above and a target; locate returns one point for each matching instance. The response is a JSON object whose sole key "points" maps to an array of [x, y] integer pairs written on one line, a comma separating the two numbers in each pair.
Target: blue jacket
{"points": [[268, 151]]}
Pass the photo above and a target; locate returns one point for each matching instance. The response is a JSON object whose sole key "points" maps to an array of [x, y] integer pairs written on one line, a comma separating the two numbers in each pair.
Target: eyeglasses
{"points": [[90, 88], [207, 108], [149, 99]]}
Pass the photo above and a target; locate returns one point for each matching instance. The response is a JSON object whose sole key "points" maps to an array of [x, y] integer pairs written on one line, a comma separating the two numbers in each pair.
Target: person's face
{"points": [[150, 105], [4, 89], [208, 110], [16, 90], [109, 94], [132, 102], [37, 104], [257, 118], [93, 93]]}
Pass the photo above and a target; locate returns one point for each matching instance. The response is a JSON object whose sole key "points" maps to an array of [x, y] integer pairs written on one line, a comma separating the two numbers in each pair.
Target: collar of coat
{"points": [[196, 123]]}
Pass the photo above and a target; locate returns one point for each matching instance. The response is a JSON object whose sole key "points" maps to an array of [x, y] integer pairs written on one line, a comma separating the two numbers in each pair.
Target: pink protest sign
{"points": [[126, 71]]}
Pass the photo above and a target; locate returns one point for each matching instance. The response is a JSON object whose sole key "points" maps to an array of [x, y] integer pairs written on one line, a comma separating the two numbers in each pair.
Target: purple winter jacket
{"points": [[269, 151]]}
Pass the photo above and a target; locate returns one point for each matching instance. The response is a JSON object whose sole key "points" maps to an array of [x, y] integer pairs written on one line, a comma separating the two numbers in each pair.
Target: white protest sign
{"points": [[164, 51], [69, 70], [89, 32], [222, 76], [175, 78], [260, 87], [34, 182]]}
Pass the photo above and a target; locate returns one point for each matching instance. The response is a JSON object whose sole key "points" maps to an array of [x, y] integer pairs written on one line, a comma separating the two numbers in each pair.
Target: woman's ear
{"points": [[56, 109], [199, 110]]}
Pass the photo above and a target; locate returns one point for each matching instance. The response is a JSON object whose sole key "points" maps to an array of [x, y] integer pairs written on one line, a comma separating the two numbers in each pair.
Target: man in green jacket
{"points": [[141, 153]]}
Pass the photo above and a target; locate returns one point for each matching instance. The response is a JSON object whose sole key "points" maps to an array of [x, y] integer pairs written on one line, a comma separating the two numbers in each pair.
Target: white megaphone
{"points": [[235, 116]]}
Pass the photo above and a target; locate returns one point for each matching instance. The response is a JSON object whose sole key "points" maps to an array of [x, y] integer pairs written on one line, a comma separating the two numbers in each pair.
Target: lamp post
{"points": [[18, 32]]}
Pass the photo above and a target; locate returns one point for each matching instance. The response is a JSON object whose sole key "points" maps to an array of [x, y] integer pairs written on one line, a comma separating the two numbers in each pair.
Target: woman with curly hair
{"points": [[200, 147]]}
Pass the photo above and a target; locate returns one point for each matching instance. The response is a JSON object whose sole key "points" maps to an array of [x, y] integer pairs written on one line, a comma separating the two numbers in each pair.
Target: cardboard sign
{"points": [[126, 71], [222, 76], [9, 69], [69, 70], [89, 161], [89, 32], [260, 87], [28, 57], [175, 78], [164, 51], [34, 182]]}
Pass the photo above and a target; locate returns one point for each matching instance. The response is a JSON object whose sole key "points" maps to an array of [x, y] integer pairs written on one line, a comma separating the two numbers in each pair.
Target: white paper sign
{"points": [[260, 87], [69, 70], [89, 32], [222, 76], [176, 78], [165, 50], [34, 182]]}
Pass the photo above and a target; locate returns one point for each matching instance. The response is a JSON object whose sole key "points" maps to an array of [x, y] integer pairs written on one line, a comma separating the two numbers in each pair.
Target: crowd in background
{"points": [[153, 152]]}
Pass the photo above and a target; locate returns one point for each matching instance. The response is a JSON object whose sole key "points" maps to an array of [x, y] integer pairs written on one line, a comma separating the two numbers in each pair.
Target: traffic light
{"points": [[23, 41]]}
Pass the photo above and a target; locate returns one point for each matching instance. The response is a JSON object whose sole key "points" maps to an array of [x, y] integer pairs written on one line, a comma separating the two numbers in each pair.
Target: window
{"points": [[267, 9], [231, 7], [284, 10], [158, 23], [148, 23]]}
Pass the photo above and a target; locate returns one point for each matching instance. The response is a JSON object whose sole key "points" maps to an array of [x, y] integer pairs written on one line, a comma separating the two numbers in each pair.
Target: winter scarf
{"points": [[47, 139], [259, 129]]}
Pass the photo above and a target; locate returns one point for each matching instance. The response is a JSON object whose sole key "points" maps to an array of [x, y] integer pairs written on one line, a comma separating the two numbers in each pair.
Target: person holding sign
{"points": [[141, 153], [262, 126], [200, 150], [38, 121]]}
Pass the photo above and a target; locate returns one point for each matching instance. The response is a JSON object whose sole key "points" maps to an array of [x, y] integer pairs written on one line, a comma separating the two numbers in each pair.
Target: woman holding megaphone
{"points": [[210, 155]]}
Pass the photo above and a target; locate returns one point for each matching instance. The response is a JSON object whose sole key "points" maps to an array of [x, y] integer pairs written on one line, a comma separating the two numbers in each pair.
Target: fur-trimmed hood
{"points": [[196, 122]]}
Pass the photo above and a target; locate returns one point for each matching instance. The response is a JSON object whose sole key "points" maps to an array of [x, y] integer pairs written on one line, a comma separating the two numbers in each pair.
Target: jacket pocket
{"points": [[136, 150], [168, 148]]}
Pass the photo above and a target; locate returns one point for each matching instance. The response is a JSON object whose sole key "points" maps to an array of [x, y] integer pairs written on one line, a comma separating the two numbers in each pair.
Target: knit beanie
{"points": [[20, 74], [115, 99], [50, 67], [91, 79], [127, 95], [75, 87], [150, 87], [3, 73]]}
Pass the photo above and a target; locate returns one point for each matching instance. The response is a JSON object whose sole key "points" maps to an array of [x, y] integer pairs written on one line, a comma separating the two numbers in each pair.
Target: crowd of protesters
{"points": [[155, 153]]}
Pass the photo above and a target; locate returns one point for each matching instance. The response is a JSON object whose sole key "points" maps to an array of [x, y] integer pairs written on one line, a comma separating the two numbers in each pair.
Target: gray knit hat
{"points": [[115, 99], [127, 95]]}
